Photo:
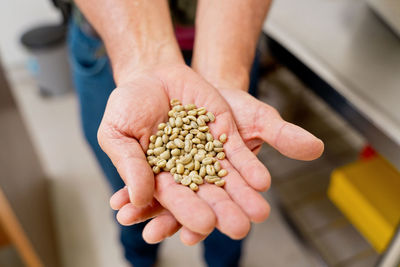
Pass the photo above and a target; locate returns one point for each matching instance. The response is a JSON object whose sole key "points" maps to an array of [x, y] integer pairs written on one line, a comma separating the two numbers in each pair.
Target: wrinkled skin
{"points": [[133, 112]]}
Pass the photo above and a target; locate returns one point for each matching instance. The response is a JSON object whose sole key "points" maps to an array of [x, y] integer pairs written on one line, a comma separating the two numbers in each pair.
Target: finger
{"points": [[289, 139], [190, 238], [161, 227], [130, 214], [130, 161], [184, 204], [119, 198], [231, 220], [250, 201], [241, 157]]}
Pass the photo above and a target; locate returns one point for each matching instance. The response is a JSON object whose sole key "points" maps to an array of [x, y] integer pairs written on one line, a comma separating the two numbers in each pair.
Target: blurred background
{"points": [[330, 66]]}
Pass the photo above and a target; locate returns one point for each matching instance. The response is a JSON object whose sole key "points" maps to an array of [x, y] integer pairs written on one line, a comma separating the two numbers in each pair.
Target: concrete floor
{"points": [[87, 232]]}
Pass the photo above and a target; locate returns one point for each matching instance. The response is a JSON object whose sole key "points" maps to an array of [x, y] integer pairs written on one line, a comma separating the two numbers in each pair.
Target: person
{"points": [[124, 93]]}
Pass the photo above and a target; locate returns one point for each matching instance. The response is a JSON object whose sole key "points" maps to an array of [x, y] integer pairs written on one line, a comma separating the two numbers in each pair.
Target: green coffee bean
{"points": [[174, 102], [165, 138], [200, 146], [209, 146], [149, 152], [186, 159], [175, 152], [197, 179], [170, 145], [194, 187], [197, 165], [151, 146], [201, 111], [203, 128], [211, 116], [223, 138], [165, 155], [222, 173], [178, 122], [178, 178], [173, 170], [179, 143], [168, 130], [210, 170], [156, 169], [211, 179], [192, 112], [194, 125], [193, 151], [201, 122], [190, 107], [221, 155], [161, 126], [190, 166], [158, 150], [217, 166], [159, 142], [205, 118], [161, 163], [185, 120], [153, 138], [207, 161], [196, 140], [220, 183], [179, 168], [202, 171], [160, 133], [218, 149]]}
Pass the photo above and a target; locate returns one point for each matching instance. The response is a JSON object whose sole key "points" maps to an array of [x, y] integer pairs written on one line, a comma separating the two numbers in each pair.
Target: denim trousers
{"points": [[93, 81]]}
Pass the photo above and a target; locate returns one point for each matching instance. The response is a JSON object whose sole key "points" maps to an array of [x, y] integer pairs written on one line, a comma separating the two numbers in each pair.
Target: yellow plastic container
{"points": [[368, 193]]}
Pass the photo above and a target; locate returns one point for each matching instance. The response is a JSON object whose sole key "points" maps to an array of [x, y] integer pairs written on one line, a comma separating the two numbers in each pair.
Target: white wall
{"points": [[16, 16]]}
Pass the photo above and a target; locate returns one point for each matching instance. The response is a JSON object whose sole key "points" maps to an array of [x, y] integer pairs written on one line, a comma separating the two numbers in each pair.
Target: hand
{"points": [[132, 114], [257, 122]]}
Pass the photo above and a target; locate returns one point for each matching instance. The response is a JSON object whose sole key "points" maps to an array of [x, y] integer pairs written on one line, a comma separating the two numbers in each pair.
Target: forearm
{"points": [[137, 33], [227, 32]]}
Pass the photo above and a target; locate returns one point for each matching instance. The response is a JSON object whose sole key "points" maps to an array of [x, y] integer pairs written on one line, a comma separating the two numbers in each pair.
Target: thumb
{"points": [[128, 157], [289, 139]]}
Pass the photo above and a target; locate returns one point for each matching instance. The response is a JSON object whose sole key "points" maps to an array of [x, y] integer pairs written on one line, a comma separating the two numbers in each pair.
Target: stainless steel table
{"points": [[348, 47]]}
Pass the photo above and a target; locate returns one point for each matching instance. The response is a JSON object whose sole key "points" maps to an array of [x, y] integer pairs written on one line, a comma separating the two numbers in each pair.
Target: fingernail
{"points": [[130, 194]]}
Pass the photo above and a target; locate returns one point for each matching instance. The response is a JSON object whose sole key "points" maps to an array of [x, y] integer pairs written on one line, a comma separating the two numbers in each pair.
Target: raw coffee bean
{"points": [[173, 136], [172, 122], [190, 166], [165, 155], [211, 179], [158, 150], [153, 138], [197, 165], [197, 179], [170, 164], [218, 149], [207, 161], [161, 163], [170, 145], [199, 157], [178, 178], [187, 127], [194, 131], [178, 108], [178, 122], [175, 152], [159, 142], [217, 143], [194, 187], [203, 129], [194, 125], [151, 146], [220, 183], [209, 137], [186, 159], [184, 133], [222, 173], [149, 152], [186, 180], [201, 122], [188, 145], [192, 118], [174, 102], [200, 146], [179, 143], [221, 155], [193, 151], [211, 154], [173, 170], [179, 168], [202, 171], [156, 169], [223, 138], [204, 118], [209, 146], [160, 133], [165, 138], [196, 140], [211, 116], [201, 111], [185, 120], [201, 136], [186, 172], [189, 136], [217, 166], [190, 107], [192, 112], [210, 170], [161, 126], [168, 130]]}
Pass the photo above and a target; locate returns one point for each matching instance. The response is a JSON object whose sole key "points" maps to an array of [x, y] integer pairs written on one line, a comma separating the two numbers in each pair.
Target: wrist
{"points": [[139, 59], [223, 75]]}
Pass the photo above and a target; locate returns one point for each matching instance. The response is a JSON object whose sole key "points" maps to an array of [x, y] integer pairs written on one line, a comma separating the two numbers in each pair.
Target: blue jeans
{"points": [[93, 81]]}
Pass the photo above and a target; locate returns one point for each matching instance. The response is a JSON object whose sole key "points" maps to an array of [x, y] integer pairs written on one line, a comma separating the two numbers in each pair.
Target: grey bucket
{"points": [[49, 59]]}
